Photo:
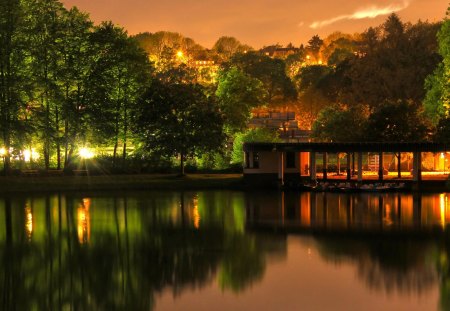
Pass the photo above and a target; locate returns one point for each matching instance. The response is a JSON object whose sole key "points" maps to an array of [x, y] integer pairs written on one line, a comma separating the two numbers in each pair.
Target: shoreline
{"points": [[151, 182], [21, 184]]}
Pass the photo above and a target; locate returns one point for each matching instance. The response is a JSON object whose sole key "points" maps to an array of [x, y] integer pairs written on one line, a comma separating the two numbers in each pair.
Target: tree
{"points": [[271, 72], [237, 94], [76, 59], [227, 46], [314, 45], [397, 122], [45, 22], [339, 125], [437, 100], [178, 118], [14, 72], [118, 78]]}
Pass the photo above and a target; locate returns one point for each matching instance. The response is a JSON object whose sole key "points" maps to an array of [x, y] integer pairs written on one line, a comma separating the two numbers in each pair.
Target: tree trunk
{"points": [[58, 143], [181, 164]]}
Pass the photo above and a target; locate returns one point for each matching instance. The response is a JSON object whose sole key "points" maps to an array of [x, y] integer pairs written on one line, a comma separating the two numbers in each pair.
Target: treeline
{"points": [[64, 83], [141, 102]]}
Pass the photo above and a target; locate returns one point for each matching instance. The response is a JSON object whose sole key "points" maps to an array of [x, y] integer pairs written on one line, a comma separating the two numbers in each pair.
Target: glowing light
{"points": [[2, 151], [29, 155], [180, 54], [83, 221], [86, 153], [442, 206], [28, 222], [442, 155], [196, 214]]}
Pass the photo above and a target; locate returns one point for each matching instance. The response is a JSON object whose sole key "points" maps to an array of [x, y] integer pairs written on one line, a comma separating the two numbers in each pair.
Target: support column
{"points": [[300, 164], [312, 165], [399, 165], [417, 166], [360, 166], [325, 165], [380, 166], [349, 172], [281, 167]]}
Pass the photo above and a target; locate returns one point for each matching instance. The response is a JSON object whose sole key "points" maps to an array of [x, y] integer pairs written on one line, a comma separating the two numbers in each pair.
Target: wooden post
{"points": [[312, 165], [281, 167], [417, 163], [380, 166], [325, 165], [360, 166], [399, 165], [349, 172]]}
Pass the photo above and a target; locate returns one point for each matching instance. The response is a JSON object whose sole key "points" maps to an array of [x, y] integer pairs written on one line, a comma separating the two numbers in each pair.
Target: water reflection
{"points": [[124, 251], [78, 252], [350, 212]]}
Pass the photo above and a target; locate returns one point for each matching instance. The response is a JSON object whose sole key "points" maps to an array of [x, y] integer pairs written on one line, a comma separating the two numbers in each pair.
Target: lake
{"points": [[225, 250]]}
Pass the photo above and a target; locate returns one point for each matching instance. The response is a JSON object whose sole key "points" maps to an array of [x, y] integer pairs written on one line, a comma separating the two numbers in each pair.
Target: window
{"points": [[290, 159]]}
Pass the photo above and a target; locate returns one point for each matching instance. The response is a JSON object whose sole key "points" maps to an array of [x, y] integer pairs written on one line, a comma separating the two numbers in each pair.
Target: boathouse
{"points": [[360, 161]]}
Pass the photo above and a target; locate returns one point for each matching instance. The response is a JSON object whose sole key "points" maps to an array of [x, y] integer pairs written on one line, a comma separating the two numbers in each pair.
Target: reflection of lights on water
{"points": [[443, 207], [28, 222], [83, 224], [196, 214], [388, 219]]}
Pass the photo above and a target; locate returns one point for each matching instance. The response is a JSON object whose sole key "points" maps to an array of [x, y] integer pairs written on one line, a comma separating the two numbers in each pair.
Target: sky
{"points": [[257, 22]]}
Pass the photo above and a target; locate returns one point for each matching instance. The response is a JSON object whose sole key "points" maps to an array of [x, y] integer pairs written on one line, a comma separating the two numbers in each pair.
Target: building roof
{"points": [[348, 147]]}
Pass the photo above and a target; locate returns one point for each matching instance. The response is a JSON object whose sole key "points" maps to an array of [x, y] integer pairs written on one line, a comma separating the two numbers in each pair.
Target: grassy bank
{"points": [[120, 182]]}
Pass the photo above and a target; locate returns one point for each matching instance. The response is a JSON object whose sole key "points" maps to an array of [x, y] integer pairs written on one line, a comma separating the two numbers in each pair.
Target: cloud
{"points": [[369, 12]]}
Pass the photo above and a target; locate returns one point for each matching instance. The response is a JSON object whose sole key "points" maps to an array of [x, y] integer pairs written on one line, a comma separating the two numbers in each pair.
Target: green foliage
{"points": [[271, 72], [237, 94], [443, 131], [397, 122], [335, 124], [175, 118], [251, 135]]}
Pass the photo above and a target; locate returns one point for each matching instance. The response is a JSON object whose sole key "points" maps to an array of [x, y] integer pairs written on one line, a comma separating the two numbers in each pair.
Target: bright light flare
{"points": [[2, 152], [86, 153], [30, 154], [180, 54]]}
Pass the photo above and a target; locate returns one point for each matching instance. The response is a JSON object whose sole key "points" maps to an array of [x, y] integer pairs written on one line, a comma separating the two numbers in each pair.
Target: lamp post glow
{"points": [[85, 153]]}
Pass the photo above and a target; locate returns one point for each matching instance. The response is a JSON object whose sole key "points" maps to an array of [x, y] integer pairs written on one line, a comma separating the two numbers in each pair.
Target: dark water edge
{"points": [[172, 250]]}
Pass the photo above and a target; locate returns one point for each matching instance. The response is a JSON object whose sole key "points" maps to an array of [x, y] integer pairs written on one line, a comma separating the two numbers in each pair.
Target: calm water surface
{"points": [[225, 250]]}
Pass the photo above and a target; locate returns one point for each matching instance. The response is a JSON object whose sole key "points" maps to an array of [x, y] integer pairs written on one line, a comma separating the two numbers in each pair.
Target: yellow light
{"points": [[180, 54], [85, 153], [442, 155], [320, 62], [28, 222], [2, 151], [308, 57], [28, 155]]}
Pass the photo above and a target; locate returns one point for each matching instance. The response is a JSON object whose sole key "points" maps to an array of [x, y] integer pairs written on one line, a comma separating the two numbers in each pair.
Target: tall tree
{"points": [[314, 45], [178, 118], [437, 101], [14, 72], [237, 94], [76, 59], [118, 78], [45, 24]]}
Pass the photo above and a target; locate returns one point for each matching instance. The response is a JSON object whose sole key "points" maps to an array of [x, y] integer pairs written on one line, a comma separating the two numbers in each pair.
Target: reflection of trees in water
{"points": [[118, 267], [386, 264]]}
